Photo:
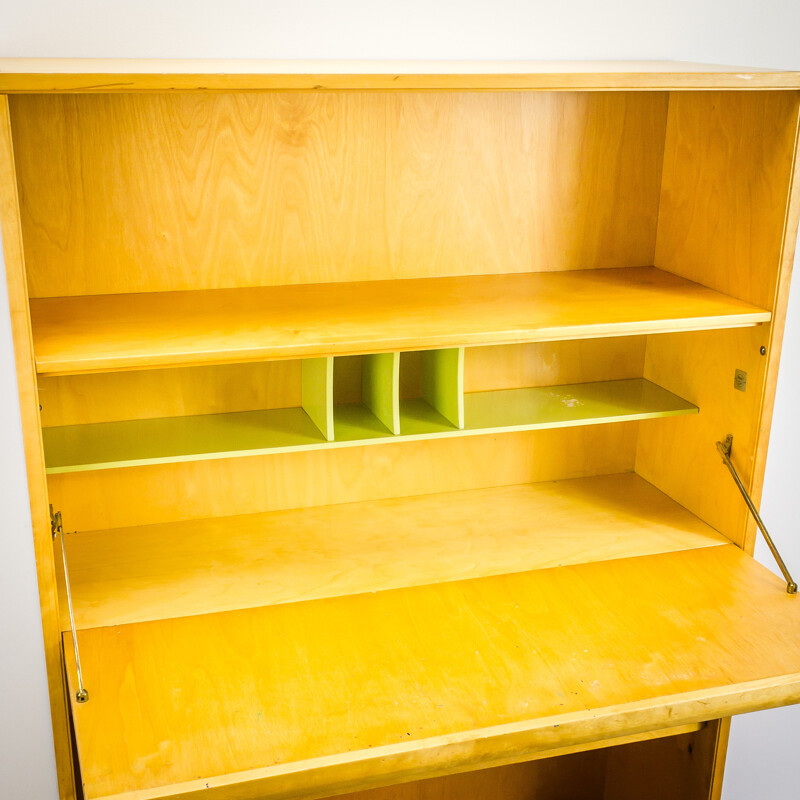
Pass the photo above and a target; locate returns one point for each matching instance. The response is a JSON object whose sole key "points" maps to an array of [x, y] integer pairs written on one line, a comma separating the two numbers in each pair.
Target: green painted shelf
{"points": [[109, 445]]}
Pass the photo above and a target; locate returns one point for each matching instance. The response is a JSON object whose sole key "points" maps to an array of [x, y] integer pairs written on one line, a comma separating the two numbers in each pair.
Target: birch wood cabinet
{"points": [[378, 420]]}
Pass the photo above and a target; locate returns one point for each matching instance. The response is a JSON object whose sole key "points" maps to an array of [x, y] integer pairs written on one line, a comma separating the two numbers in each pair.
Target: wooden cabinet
{"points": [[377, 406]]}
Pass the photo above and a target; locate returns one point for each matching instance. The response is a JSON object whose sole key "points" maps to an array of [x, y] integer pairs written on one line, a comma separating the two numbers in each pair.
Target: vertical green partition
{"points": [[380, 388], [443, 383], [317, 393]]}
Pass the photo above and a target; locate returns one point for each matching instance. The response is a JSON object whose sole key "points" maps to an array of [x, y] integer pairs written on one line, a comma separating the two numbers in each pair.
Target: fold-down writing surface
{"points": [[307, 699]]}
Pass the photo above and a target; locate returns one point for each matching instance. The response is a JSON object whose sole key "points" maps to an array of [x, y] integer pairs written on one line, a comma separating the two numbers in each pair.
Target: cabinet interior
{"points": [[328, 356]]}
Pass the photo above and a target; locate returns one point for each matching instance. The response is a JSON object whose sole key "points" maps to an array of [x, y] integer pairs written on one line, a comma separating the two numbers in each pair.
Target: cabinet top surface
{"points": [[126, 75]]}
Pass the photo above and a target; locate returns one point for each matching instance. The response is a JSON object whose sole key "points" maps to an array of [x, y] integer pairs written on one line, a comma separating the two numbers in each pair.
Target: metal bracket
{"points": [[724, 449], [57, 529]]}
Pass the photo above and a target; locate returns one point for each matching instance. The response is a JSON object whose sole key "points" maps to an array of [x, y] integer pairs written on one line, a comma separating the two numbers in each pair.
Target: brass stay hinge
{"points": [[57, 529], [724, 449]]}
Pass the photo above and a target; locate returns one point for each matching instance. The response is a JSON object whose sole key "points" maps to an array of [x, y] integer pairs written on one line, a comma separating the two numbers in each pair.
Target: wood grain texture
{"points": [[179, 192], [553, 363], [310, 193], [728, 175], [118, 332], [225, 563], [728, 161], [664, 769], [571, 777], [449, 684], [14, 260], [189, 391], [134, 443], [184, 391], [681, 459], [559, 774], [146, 495], [137, 75]]}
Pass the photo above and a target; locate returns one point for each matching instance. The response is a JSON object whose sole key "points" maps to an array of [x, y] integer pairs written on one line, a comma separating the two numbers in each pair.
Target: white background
{"points": [[763, 757]]}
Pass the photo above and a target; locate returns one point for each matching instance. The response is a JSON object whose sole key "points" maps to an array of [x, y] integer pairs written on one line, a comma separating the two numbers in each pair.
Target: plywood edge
{"points": [[477, 749], [720, 753], [135, 75], [603, 744]]}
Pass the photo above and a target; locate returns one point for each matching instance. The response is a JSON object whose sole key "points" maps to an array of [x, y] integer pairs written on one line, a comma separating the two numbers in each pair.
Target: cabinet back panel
{"points": [[185, 391], [170, 492], [553, 363], [156, 192]]}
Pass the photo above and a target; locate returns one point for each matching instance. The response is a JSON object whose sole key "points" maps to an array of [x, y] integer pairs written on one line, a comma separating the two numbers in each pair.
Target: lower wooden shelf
{"points": [[109, 445], [225, 563], [310, 699]]}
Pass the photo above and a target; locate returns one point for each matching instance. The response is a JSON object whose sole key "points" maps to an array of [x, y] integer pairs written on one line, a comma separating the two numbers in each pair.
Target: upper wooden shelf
{"points": [[309, 699], [131, 75], [105, 333]]}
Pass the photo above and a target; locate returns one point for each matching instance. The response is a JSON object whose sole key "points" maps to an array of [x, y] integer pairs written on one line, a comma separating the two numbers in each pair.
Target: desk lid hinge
{"points": [[57, 529], [724, 449]]}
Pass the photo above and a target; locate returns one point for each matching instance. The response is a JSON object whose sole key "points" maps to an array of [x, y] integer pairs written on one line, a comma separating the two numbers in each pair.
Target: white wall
{"points": [[763, 757]]}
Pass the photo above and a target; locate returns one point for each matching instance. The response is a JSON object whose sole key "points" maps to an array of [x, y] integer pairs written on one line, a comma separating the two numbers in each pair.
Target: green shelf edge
{"points": [[131, 443]]}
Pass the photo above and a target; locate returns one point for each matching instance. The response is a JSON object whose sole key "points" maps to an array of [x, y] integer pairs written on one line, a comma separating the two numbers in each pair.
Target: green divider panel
{"points": [[443, 383], [317, 393], [380, 388]]}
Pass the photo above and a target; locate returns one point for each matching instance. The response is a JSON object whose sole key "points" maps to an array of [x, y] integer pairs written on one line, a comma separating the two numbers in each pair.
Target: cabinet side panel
{"points": [[728, 219], [34, 456], [156, 192]]}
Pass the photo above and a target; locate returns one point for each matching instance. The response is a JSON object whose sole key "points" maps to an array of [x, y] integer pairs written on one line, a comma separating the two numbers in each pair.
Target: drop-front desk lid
{"points": [[312, 698]]}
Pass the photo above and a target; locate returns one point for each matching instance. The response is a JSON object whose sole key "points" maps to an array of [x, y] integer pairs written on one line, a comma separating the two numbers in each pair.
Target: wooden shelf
{"points": [[110, 445], [136, 331], [225, 563], [302, 699]]}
